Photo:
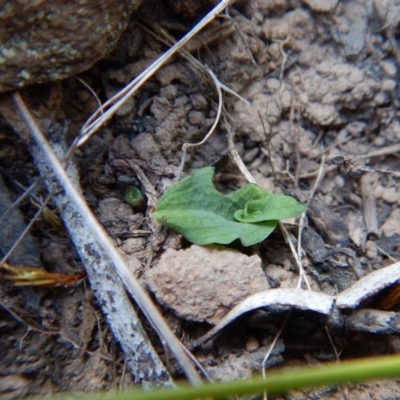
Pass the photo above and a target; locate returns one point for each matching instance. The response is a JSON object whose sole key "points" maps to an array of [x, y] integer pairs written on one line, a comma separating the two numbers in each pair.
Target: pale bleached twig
{"points": [[132, 336], [94, 94]]}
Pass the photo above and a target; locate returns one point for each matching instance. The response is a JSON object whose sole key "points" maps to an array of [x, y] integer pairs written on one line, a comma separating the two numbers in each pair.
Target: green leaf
{"points": [[275, 206], [195, 209]]}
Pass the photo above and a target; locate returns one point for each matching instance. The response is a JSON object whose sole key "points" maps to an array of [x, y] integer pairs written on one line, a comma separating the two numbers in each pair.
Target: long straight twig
{"points": [[132, 285]]}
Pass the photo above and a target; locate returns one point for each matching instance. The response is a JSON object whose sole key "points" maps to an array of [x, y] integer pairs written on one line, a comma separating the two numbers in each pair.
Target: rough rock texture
{"points": [[321, 5], [204, 283], [51, 40]]}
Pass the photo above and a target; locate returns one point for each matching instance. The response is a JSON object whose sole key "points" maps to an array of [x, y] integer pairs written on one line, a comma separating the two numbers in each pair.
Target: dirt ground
{"points": [[321, 81]]}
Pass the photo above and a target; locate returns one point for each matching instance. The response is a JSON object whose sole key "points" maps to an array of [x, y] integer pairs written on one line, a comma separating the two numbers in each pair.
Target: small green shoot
{"points": [[196, 210], [134, 197]]}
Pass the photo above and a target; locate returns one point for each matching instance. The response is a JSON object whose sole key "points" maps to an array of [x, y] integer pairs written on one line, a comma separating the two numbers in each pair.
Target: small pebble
{"points": [[389, 67], [252, 344], [287, 264], [273, 84], [371, 250], [388, 85], [321, 5], [340, 182]]}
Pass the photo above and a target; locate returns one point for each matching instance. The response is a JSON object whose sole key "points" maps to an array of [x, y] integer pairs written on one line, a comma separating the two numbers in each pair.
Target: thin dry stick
{"points": [[270, 349], [94, 94], [19, 200], [284, 59], [321, 173], [337, 356], [369, 204], [385, 253], [138, 293], [381, 152], [186, 146], [244, 41], [271, 163], [296, 144], [382, 171], [27, 228], [235, 155], [93, 124], [303, 215], [332, 146], [302, 274]]}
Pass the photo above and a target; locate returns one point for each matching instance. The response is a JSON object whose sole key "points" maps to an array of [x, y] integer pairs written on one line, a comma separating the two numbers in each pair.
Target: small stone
{"points": [[273, 84], [371, 250], [199, 102], [252, 344], [321, 114], [389, 67], [392, 224], [321, 5], [391, 195], [196, 118]]}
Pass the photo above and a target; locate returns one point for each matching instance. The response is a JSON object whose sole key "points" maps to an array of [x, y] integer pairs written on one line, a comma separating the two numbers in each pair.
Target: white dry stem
{"points": [[93, 243], [96, 121], [94, 94]]}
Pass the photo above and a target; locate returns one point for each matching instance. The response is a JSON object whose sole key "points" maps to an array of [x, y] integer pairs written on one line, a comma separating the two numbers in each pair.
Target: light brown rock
{"points": [[321, 5], [204, 283]]}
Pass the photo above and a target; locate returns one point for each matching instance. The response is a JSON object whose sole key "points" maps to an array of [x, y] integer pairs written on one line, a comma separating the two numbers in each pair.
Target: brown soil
{"points": [[322, 82]]}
